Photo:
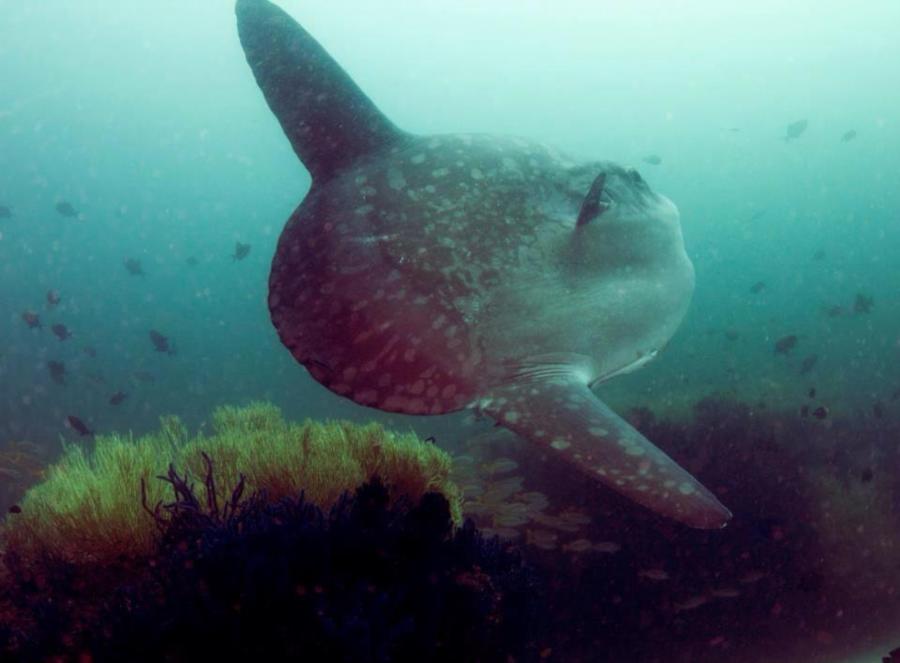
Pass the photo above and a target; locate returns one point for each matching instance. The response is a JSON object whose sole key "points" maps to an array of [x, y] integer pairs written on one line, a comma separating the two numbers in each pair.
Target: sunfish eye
{"points": [[592, 207]]}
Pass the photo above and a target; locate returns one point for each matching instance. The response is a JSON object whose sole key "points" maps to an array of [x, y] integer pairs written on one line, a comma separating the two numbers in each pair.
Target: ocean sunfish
{"points": [[429, 274]]}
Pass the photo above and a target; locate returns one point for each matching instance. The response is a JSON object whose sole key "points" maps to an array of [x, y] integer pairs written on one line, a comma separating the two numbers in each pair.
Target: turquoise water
{"points": [[147, 120]]}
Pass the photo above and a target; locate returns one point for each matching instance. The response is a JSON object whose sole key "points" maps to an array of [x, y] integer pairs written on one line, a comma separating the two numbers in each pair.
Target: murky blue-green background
{"points": [[146, 118]]}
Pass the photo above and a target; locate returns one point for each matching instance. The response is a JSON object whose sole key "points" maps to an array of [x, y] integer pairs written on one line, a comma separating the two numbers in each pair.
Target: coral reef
{"points": [[88, 509]]}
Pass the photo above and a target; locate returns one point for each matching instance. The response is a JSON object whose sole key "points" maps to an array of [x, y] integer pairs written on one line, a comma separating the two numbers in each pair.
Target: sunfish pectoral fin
{"points": [[565, 416], [328, 119]]}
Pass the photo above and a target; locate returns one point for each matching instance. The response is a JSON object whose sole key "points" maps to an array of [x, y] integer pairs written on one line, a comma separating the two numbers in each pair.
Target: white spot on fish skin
{"points": [[560, 444], [363, 209], [417, 387], [512, 416], [635, 451], [685, 488], [361, 179], [476, 174], [418, 158], [395, 179], [598, 431], [440, 172], [449, 391], [366, 396]]}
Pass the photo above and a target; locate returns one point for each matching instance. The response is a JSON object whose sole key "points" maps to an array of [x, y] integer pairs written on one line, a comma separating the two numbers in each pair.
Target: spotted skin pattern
{"points": [[428, 274]]}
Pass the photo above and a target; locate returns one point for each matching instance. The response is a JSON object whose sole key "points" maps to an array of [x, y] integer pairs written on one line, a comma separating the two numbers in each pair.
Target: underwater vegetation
{"points": [[89, 507], [257, 548]]}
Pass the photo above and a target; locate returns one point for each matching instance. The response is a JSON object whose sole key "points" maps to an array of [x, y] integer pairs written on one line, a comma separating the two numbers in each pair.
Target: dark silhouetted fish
{"points": [[65, 209], [804, 411], [240, 251], [89, 351], [848, 136], [15, 508], [5, 212], [820, 412], [834, 311], [133, 267], [812, 392], [862, 304], [117, 398], [57, 371], [785, 344], [878, 410], [161, 343], [32, 319], [61, 331], [758, 214], [732, 334], [53, 299], [652, 159], [757, 287], [808, 364], [819, 255], [78, 425], [192, 261], [795, 130]]}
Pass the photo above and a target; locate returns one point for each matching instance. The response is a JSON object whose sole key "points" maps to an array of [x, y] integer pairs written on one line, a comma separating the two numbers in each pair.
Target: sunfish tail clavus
{"points": [[428, 274]]}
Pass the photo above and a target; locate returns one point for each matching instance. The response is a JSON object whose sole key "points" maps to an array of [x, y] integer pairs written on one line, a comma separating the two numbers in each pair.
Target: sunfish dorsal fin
{"points": [[327, 118], [563, 414]]}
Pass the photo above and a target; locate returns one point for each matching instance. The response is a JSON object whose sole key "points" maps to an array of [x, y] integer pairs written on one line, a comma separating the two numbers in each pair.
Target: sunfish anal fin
{"points": [[564, 415]]}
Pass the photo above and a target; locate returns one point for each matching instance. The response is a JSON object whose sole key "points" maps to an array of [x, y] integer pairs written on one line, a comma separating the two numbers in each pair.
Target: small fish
{"points": [[78, 425], [758, 214], [808, 364], [751, 577], [804, 411], [608, 547], [61, 331], [240, 251], [812, 392], [726, 592], [878, 410], [89, 351], [65, 209], [848, 136], [15, 508], [785, 344], [32, 319], [53, 299], [758, 287], [794, 130], [834, 311], [133, 267], [117, 398], [867, 475], [192, 261], [652, 159], [5, 212], [732, 334], [691, 603], [820, 412], [819, 255], [862, 304], [161, 343], [57, 371]]}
